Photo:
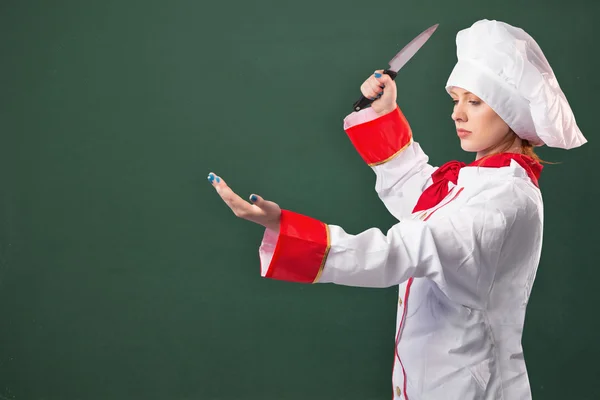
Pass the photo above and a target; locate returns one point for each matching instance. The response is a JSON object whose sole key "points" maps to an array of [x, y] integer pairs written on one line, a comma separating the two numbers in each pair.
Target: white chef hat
{"points": [[506, 68]]}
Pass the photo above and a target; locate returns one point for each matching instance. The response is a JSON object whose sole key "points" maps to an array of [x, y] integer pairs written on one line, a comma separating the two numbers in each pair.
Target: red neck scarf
{"points": [[449, 173]]}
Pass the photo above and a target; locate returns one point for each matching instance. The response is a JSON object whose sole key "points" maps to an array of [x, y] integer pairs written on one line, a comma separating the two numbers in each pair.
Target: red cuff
{"points": [[301, 249], [381, 139]]}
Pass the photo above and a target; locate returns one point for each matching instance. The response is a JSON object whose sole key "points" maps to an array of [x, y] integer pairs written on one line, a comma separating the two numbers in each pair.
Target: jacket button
{"points": [[398, 391], [400, 300]]}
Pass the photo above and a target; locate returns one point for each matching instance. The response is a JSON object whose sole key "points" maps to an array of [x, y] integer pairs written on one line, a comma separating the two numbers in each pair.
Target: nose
{"points": [[459, 114]]}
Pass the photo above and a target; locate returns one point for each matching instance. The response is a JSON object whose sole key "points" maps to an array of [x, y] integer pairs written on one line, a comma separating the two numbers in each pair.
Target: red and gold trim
{"points": [[424, 217], [301, 250], [381, 139]]}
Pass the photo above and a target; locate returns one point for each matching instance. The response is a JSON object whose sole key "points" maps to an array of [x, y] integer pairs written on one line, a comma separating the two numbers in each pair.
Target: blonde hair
{"points": [[527, 149]]}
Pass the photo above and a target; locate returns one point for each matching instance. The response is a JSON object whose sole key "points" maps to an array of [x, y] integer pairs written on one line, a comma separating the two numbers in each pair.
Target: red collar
{"points": [[449, 173], [533, 168]]}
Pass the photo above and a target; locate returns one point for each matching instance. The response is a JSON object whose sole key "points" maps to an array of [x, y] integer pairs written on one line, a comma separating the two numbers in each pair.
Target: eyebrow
{"points": [[454, 93]]}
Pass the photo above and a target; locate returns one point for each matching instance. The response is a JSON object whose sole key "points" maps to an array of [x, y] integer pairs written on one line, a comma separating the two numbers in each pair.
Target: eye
{"points": [[455, 102], [475, 102]]}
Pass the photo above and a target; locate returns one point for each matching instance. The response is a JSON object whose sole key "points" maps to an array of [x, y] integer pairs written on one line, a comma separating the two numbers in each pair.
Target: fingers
{"points": [[374, 86], [271, 213], [257, 200], [268, 207], [380, 88], [239, 206], [384, 79], [261, 211], [371, 88]]}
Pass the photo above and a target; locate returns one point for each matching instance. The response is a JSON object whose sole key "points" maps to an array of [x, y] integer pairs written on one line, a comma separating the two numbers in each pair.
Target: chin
{"points": [[469, 146]]}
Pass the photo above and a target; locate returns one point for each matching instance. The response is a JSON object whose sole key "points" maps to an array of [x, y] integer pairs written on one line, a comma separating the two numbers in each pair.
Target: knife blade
{"points": [[399, 61]]}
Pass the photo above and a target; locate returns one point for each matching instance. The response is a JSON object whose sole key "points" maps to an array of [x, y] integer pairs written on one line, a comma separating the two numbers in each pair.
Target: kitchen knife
{"points": [[399, 61]]}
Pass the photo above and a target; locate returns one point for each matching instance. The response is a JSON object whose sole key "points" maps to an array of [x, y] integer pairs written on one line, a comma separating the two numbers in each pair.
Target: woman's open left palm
{"points": [[261, 211]]}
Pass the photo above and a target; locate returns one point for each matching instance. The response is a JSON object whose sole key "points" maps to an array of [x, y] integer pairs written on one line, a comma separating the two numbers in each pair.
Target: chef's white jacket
{"points": [[464, 268]]}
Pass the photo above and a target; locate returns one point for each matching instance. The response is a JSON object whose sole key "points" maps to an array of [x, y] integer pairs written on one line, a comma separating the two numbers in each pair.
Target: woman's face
{"points": [[479, 128]]}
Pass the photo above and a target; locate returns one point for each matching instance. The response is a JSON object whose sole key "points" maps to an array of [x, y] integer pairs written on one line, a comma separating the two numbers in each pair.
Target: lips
{"points": [[462, 133]]}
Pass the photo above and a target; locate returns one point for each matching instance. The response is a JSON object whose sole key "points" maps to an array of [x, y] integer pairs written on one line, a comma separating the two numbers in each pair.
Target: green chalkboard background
{"points": [[124, 276]]}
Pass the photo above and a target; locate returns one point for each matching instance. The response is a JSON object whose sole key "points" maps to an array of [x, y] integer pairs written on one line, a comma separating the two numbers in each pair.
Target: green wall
{"points": [[124, 276]]}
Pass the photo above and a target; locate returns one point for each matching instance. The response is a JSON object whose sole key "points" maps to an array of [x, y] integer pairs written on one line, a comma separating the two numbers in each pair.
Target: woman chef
{"points": [[467, 245]]}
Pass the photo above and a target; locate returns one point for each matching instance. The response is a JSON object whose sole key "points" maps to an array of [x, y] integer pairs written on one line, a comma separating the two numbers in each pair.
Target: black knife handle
{"points": [[363, 102]]}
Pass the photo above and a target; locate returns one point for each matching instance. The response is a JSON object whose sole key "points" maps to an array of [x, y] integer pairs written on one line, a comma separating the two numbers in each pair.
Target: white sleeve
{"points": [[401, 181], [458, 252]]}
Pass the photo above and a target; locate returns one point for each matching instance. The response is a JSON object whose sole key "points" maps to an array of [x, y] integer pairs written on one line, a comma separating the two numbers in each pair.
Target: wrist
{"points": [[385, 111], [274, 225]]}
